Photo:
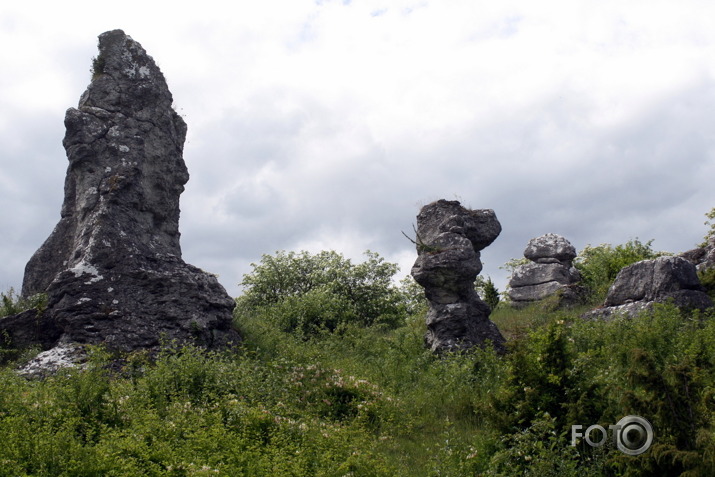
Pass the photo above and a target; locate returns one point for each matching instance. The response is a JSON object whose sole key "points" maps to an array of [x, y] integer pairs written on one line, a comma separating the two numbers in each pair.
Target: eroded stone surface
{"points": [[112, 268], [550, 272], [62, 356], [638, 286], [550, 248], [449, 240], [702, 257]]}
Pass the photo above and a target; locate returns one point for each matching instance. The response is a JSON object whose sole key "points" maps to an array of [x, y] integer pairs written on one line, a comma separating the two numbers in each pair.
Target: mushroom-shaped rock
{"points": [[449, 239]]}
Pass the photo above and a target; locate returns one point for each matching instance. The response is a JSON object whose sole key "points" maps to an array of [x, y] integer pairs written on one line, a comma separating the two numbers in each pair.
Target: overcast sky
{"points": [[326, 125]]}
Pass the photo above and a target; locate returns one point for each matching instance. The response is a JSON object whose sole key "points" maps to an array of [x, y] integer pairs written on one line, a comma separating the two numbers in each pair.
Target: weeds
{"points": [[369, 399]]}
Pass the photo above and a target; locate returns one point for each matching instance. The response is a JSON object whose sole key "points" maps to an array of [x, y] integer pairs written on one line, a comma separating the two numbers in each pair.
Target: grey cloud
{"points": [[32, 176], [546, 166], [617, 186]]}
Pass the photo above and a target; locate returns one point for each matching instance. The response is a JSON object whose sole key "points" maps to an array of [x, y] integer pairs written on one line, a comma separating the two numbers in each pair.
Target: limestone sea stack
{"points": [[112, 268], [449, 240]]}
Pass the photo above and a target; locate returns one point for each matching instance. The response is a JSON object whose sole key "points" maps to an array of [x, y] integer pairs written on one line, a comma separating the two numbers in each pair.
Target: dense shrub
{"points": [[11, 303], [537, 451], [659, 365], [309, 293], [539, 377], [371, 400], [600, 265]]}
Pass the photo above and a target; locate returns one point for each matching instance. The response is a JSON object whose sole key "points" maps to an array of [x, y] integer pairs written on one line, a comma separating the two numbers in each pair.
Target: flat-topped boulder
{"points": [[550, 248], [112, 268], [549, 272]]}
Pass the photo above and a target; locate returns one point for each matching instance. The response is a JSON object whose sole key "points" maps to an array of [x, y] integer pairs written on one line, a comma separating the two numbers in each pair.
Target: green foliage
{"points": [[12, 304], [538, 450], [312, 293], [190, 413], [98, 65], [600, 265], [371, 400], [413, 296], [489, 292], [711, 224], [707, 280], [659, 365], [513, 264], [539, 376]]}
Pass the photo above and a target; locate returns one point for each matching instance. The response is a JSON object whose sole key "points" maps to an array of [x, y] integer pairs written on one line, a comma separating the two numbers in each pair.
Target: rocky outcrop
{"points": [[550, 272], [449, 240], [638, 286], [47, 363], [702, 257], [112, 268]]}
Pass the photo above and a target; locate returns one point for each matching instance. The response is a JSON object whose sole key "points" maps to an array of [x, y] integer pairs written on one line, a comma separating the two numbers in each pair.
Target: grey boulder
{"points": [[664, 279], [550, 248]]}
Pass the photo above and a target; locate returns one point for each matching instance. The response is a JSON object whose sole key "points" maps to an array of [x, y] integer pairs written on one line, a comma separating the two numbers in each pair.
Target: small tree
{"points": [[489, 292], [312, 292]]}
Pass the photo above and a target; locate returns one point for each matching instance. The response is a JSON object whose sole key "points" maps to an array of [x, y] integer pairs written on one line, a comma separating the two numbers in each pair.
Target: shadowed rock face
{"points": [[449, 239], [112, 267], [638, 286], [702, 257]]}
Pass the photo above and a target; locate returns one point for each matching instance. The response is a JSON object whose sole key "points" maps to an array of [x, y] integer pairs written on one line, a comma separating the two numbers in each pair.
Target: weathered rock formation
{"points": [[702, 257], [549, 272], [638, 286], [449, 240], [112, 268]]}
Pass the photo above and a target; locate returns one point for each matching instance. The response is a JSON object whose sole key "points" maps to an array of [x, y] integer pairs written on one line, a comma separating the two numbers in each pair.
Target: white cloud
{"points": [[326, 124]]}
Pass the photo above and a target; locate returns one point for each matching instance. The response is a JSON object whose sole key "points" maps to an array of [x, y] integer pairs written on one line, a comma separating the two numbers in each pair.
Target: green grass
{"points": [[372, 401]]}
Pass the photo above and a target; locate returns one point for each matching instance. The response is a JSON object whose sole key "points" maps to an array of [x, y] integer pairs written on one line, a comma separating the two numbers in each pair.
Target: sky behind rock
{"points": [[327, 124]]}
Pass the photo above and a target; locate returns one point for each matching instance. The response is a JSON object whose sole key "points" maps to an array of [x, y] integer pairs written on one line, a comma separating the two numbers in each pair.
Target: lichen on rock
{"points": [[112, 267], [549, 272]]}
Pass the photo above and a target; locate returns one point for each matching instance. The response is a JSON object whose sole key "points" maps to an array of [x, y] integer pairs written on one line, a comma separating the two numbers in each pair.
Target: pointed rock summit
{"points": [[112, 268]]}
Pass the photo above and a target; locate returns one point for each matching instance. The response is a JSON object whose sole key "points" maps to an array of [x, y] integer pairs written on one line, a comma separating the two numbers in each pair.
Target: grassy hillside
{"points": [[333, 379]]}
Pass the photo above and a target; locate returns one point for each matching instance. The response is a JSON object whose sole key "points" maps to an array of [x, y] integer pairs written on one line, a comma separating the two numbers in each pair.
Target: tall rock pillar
{"points": [[449, 240], [112, 268]]}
